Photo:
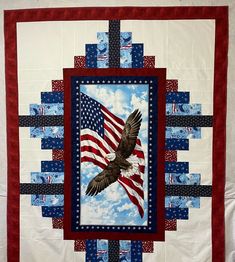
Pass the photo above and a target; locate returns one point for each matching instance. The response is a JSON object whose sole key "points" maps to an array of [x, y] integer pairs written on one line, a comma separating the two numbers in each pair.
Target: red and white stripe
{"points": [[126, 46], [174, 108], [94, 149]]}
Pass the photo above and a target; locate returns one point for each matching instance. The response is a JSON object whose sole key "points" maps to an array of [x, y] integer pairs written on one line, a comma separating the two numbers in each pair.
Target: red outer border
{"points": [[160, 194], [220, 14]]}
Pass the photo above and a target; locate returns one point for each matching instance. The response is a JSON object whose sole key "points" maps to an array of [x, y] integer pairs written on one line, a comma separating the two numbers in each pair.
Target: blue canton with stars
{"points": [[91, 115]]}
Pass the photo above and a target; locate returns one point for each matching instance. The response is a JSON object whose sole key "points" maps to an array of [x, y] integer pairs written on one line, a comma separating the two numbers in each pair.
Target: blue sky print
{"points": [[112, 206], [46, 109], [182, 179], [47, 200], [103, 50], [46, 132], [183, 132], [182, 201], [102, 250], [125, 250], [126, 50], [47, 178], [183, 109]]}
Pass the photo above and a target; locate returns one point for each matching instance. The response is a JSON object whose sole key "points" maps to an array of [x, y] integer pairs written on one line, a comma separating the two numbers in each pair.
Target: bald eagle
{"points": [[118, 159]]}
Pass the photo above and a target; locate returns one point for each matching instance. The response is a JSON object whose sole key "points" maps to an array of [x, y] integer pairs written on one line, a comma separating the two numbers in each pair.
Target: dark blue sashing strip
{"points": [[91, 251], [52, 97], [189, 121], [41, 189], [177, 167], [53, 211], [75, 114], [188, 190], [41, 120], [176, 213], [171, 121], [176, 144], [137, 55], [91, 56], [170, 190], [113, 250], [136, 251], [177, 97], [114, 44], [52, 166], [52, 143]]}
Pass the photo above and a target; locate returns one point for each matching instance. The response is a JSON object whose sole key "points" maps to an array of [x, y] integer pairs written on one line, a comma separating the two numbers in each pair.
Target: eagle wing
{"points": [[130, 133], [108, 176]]}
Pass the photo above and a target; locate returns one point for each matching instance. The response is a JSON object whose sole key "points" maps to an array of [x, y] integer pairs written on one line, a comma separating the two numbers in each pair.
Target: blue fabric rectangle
{"points": [[47, 178], [47, 131], [182, 201], [103, 50], [125, 250], [176, 213], [176, 144], [183, 132], [102, 250], [182, 179], [177, 167], [125, 49], [52, 143], [136, 251], [52, 97], [137, 55], [53, 211], [183, 109], [91, 55], [52, 166], [177, 97], [47, 200], [91, 251], [46, 109]]}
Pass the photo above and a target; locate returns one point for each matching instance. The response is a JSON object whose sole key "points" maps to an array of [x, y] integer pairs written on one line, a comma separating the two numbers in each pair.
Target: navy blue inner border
{"points": [[76, 81]]}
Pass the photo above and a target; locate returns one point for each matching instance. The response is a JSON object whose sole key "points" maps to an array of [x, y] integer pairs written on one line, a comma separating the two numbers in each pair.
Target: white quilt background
{"points": [[45, 48], [34, 238]]}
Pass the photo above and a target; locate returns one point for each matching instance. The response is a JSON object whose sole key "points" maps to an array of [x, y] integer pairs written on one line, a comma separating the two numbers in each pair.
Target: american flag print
{"points": [[100, 135]]}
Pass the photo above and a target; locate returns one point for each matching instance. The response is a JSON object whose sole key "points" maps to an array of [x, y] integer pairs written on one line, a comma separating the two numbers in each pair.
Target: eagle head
{"points": [[111, 156]]}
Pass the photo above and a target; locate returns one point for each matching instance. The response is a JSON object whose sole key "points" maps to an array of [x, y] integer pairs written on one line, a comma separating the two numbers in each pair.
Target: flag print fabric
{"points": [[116, 133], [100, 136]]}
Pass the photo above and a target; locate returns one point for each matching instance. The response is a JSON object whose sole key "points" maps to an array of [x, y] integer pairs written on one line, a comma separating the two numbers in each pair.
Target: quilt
{"points": [[116, 121]]}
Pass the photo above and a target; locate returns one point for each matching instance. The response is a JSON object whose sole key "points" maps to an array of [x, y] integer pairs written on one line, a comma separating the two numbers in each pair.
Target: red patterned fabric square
{"points": [[79, 245], [79, 62], [147, 246], [58, 223], [170, 156], [170, 225], [149, 61], [57, 154], [171, 85], [57, 85]]}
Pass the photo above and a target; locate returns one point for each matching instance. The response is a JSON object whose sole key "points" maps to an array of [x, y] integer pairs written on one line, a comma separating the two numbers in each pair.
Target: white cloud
{"points": [[125, 207], [114, 100], [114, 192], [97, 213], [141, 104]]}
